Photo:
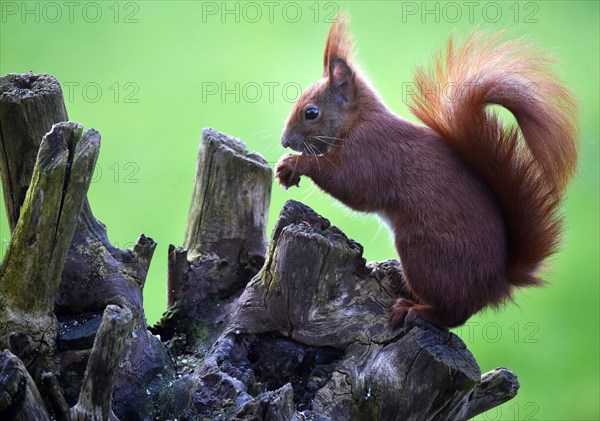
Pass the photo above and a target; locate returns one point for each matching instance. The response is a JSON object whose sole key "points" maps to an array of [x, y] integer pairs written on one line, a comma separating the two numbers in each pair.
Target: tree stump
{"points": [[225, 238], [95, 273], [295, 331], [309, 339]]}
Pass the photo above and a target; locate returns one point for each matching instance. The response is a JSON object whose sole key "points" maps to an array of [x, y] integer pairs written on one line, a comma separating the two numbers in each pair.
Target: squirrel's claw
{"points": [[286, 171]]}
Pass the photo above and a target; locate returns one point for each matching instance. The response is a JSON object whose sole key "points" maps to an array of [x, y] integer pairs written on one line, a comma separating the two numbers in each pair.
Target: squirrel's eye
{"points": [[311, 113]]}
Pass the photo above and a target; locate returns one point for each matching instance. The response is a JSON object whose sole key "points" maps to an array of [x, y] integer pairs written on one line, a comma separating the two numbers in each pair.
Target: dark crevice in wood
{"points": [[205, 202]]}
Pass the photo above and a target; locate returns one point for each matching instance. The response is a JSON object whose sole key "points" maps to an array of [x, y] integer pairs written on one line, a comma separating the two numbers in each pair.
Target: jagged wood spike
{"points": [[34, 261], [55, 395], [495, 388], [94, 402], [229, 206]]}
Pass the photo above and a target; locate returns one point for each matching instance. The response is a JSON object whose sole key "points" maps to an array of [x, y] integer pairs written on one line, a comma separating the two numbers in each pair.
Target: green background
{"points": [[141, 73]]}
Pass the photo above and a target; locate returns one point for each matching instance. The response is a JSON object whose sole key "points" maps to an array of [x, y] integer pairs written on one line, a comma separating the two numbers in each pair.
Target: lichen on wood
{"points": [[30, 274]]}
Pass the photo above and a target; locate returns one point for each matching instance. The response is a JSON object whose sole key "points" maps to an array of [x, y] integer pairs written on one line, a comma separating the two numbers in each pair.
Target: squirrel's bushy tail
{"points": [[527, 167]]}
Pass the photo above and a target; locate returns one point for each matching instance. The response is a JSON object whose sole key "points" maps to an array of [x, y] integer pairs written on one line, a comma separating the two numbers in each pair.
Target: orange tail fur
{"points": [[527, 167]]}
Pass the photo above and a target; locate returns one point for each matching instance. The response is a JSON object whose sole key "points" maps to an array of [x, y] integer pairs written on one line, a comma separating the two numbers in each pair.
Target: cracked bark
{"points": [[303, 336]]}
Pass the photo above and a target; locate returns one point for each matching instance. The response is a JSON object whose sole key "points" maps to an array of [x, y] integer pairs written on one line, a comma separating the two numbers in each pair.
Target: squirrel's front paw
{"points": [[287, 172]]}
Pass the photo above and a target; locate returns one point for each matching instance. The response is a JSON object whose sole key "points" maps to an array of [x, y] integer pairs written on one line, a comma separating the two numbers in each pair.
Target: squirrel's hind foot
{"points": [[404, 313]]}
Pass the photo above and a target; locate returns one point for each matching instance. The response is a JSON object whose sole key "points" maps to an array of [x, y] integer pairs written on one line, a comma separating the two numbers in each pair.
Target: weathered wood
{"points": [[95, 272], [55, 396], [29, 105], [19, 397], [225, 241], [495, 388], [32, 268], [231, 219], [94, 402], [31, 271], [309, 339]]}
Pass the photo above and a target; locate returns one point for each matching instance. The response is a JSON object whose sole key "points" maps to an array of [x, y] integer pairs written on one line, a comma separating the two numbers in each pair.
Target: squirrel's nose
{"points": [[284, 141]]}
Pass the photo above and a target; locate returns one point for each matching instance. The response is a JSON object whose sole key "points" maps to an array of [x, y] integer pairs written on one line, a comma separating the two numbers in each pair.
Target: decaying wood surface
{"points": [[309, 337], [95, 273], [30, 274], [225, 237], [295, 331], [95, 398]]}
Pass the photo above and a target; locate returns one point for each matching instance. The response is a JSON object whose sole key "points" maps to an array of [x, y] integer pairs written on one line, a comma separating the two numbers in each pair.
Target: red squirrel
{"points": [[473, 203]]}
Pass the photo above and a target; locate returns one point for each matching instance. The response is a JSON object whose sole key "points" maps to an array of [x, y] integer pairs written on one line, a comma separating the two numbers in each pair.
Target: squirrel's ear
{"points": [[341, 78], [338, 44]]}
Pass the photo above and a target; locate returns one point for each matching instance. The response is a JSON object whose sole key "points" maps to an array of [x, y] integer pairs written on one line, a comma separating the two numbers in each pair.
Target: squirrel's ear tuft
{"points": [[338, 44], [341, 79]]}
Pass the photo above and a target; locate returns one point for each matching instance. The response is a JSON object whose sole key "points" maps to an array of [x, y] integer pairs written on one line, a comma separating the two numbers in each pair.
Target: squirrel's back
{"points": [[526, 167]]}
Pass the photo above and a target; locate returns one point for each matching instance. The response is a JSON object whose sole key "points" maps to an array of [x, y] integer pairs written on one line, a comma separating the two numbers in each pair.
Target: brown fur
{"points": [[473, 205]]}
